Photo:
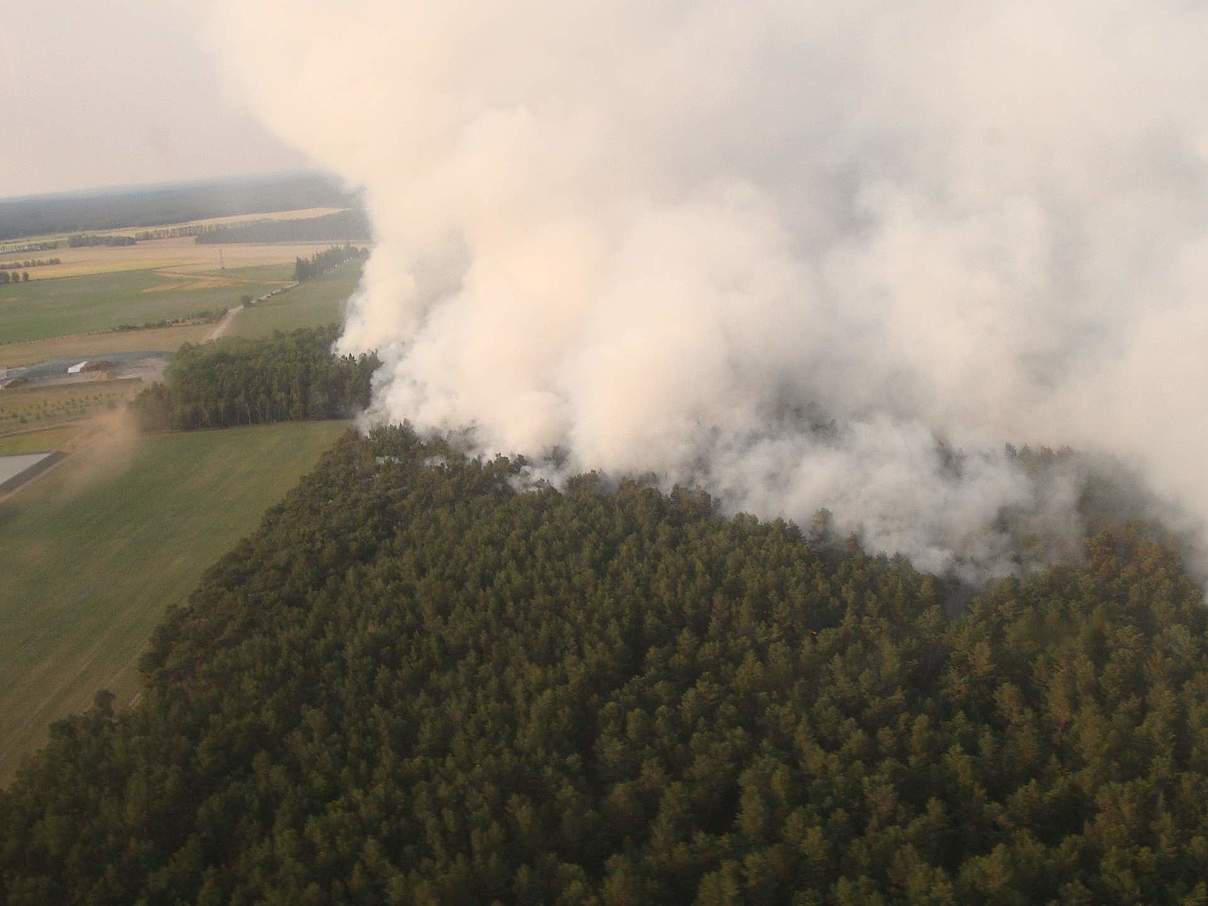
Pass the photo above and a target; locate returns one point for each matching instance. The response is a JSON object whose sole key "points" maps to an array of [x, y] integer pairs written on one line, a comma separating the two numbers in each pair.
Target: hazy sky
{"points": [[100, 94]]}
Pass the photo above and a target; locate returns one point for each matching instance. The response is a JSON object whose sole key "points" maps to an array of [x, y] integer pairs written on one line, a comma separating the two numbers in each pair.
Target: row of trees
{"points": [[82, 240], [426, 680], [241, 382], [6, 277], [27, 247], [29, 262], [319, 262], [205, 316], [173, 232]]}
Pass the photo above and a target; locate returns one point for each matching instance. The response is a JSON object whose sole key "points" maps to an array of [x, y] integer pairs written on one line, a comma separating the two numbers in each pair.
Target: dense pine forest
{"points": [[423, 681], [288, 377]]}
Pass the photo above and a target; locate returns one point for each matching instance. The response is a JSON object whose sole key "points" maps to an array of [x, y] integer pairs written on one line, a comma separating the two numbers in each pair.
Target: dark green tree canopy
{"points": [[421, 682], [288, 377], [321, 262]]}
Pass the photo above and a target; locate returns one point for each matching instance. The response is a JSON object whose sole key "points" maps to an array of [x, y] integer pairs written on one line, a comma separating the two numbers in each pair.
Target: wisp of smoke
{"points": [[807, 254]]}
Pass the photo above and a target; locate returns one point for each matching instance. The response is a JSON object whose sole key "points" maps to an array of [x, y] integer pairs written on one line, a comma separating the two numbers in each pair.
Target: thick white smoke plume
{"points": [[674, 237]]}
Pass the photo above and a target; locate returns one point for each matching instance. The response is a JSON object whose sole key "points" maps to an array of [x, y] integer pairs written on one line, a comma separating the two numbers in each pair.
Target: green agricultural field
{"points": [[95, 550], [99, 345], [275, 274], [314, 303], [40, 441], [74, 305]]}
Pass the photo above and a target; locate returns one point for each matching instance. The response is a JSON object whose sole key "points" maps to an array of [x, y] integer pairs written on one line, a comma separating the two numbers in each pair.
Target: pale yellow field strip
{"points": [[182, 253]]}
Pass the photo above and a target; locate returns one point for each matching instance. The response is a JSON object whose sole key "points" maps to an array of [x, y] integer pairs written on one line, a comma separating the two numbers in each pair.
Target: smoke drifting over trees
{"points": [[805, 254]]}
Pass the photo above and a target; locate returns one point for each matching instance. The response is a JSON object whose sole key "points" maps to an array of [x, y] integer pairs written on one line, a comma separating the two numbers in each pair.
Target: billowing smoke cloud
{"points": [[809, 254]]}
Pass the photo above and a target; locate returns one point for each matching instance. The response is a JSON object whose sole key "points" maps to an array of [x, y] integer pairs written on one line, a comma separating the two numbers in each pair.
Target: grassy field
{"points": [[265, 273], [97, 548], [51, 308], [39, 441], [311, 304], [98, 345]]}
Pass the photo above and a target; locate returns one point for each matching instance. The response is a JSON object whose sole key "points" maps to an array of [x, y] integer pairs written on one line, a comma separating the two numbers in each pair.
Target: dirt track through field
{"points": [[222, 326], [184, 280]]}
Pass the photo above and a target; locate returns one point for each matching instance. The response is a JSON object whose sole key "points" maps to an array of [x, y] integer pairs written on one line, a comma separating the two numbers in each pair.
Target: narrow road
{"points": [[221, 327]]}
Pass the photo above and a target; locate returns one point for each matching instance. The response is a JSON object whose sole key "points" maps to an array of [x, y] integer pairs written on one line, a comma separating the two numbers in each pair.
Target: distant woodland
{"points": [[157, 205], [351, 224], [421, 681]]}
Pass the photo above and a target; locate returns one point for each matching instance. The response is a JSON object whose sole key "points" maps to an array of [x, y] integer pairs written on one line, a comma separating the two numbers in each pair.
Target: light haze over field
{"points": [[672, 237]]}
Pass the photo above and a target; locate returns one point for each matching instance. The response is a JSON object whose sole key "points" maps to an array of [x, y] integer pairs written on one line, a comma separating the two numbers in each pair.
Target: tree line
{"points": [[84, 240], [28, 263], [29, 247], [320, 262], [427, 679], [290, 376]]}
